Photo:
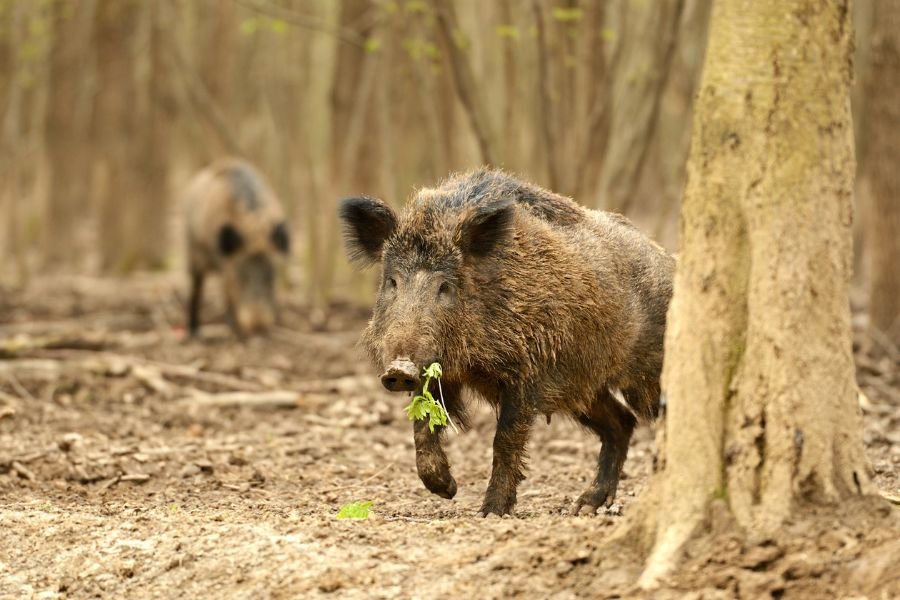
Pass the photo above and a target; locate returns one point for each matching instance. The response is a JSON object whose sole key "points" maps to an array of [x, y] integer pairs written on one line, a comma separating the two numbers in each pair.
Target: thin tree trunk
{"points": [[648, 46], [512, 133], [64, 134], [149, 217], [10, 156], [453, 46], [880, 142], [351, 165], [549, 124], [759, 375], [117, 131]]}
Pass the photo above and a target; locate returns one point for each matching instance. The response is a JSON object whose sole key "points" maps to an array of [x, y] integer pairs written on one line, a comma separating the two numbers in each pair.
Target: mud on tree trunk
{"points": [[759, 376]]}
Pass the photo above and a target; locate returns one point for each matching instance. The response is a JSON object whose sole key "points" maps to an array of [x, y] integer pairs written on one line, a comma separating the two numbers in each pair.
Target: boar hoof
{"points": [[594, 498], [445, 487], [497, 507]]}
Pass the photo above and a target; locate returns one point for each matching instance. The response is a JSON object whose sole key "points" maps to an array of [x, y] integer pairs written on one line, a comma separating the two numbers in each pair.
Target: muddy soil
{"points": [[137, 464]]}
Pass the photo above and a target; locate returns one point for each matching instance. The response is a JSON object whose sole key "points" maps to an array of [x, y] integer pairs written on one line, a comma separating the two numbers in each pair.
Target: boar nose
{"points": [[254, 319], [401, 376]]}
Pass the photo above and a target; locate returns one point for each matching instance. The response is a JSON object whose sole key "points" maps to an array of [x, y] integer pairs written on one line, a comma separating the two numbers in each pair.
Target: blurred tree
{"points": [[643, 65], [353, 141], [116, 126], [454, 44], [65, 130], [762, 413], [880, 148], [152, 167]]}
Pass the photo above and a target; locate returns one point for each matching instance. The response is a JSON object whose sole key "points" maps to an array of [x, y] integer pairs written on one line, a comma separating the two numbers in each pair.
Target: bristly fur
{"points": [[547, 307]]}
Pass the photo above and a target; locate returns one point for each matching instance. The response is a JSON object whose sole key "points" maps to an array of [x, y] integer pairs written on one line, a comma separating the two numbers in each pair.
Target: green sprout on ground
{"points": [[425, 406], [355, 510]]}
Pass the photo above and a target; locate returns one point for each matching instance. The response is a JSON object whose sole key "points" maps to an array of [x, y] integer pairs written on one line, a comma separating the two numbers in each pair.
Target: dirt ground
{"points": [[137, 464]]}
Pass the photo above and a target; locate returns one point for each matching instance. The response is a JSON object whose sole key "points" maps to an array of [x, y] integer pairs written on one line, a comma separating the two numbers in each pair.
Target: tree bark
{"points": [[880, 144], [452, 45], [117, 128], [64, 134], [640, 80], [353, 137], [759, 375], [153, 168], [549, 124]]}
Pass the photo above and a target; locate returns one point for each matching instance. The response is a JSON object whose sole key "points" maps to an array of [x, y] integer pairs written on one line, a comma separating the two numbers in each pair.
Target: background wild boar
{"points": [[235, 226], [533, 302]]}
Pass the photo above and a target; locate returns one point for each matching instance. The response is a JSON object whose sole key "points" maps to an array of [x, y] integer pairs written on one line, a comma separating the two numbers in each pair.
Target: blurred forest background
{"points": [[109, 106]]}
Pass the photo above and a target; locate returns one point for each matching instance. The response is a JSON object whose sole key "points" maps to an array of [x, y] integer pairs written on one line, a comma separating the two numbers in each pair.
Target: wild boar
{"points": [[532, 302], [236, 227]]}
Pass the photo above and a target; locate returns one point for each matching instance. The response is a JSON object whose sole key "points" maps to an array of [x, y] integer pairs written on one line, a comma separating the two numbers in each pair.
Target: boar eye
{"points": [[281, 239], [391, 283], [230, 241], [444, 289]]}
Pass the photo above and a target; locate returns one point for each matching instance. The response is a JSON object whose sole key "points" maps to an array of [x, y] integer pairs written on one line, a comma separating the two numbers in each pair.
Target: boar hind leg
{"points": [[514, 422], [195, 301], [431, 461], [614, 424]]}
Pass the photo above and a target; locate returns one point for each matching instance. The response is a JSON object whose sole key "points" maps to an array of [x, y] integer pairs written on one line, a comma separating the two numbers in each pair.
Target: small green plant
{"points": [[425, 406], [355, 510]]}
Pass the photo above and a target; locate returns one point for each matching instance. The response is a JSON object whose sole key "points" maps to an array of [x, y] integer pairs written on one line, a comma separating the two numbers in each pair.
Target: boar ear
{"points": [[367, 224], [486, 228]]}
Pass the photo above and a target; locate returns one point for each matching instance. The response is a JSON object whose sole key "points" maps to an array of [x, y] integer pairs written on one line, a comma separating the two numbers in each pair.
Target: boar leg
{"points": [[514, 422], [197, 278], [431, 462], [614, 424]]}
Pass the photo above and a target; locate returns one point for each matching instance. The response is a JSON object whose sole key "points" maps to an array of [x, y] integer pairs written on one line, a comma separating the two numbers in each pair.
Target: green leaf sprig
{"points": [[425, 406], [355, 510]]}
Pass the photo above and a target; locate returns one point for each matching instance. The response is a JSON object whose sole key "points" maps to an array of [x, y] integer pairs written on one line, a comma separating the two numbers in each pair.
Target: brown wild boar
{"points": [[236, 227], [529, 300]]}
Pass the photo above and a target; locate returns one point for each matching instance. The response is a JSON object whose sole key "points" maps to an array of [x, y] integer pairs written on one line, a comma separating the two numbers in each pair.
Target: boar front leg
{"points": [[431, 461], [195, 301], [514, 422]]}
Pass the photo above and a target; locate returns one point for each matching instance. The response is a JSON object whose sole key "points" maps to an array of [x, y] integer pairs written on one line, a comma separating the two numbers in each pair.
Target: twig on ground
{"points": [[270, 399], [22, 470]]}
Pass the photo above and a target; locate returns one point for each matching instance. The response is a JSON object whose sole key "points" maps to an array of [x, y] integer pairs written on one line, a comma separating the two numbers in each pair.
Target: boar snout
{"points": [[402, 375]]}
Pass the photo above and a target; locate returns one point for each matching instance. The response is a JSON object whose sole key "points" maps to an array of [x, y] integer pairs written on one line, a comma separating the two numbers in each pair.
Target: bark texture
{"points": [[881, 145], [64, 131], [759, 376]]}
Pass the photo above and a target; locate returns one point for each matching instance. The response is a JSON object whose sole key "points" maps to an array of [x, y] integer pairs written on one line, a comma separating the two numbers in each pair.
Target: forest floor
{"points": [[137, 464]]}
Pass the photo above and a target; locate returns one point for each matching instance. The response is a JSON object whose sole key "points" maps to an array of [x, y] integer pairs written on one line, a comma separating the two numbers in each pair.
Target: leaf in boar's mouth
{"points": [[424, 405]]}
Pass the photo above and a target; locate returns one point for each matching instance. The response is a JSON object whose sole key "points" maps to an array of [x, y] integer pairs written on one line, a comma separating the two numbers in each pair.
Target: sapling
{"points": [[425, 406]]}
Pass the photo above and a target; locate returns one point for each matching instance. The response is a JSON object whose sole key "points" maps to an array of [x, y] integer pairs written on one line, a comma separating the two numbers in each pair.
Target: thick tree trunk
{"points": [[880, 142], [759, 375]]}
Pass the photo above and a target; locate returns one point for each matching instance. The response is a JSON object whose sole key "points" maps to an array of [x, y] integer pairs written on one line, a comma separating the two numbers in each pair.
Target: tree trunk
{"points": [[639, 82], [880, 143], [64, 132], [149, 216], [116, 127], [453, 45], [353, 140], [759, 375]]}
